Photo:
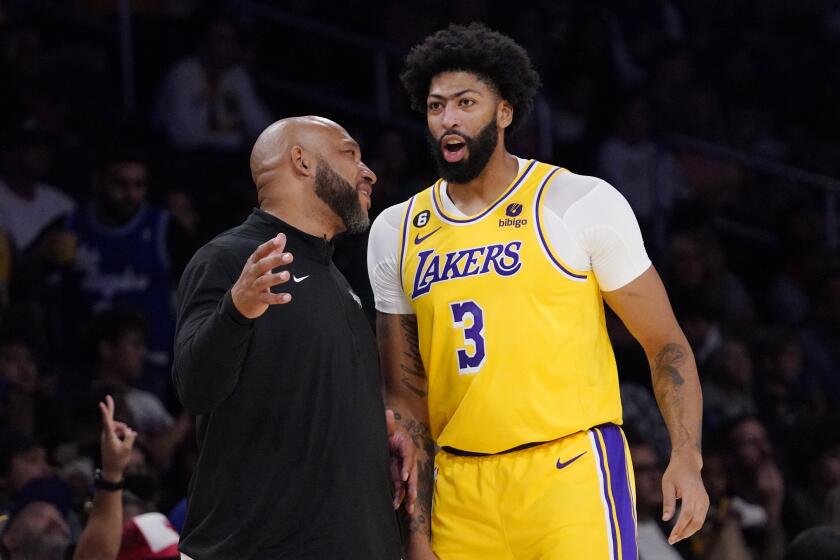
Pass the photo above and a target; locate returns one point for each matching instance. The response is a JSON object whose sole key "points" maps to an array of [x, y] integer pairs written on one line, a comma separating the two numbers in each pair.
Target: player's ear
{"points": [[302, 161], [504, 114]]}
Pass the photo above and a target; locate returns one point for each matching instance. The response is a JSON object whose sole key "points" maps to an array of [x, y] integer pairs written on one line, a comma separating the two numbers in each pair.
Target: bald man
{"points": [[275, 357]]}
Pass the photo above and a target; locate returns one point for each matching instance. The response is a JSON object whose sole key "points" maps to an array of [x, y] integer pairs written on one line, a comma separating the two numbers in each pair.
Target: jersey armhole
{"points": [[542, 234], [403, 241]]}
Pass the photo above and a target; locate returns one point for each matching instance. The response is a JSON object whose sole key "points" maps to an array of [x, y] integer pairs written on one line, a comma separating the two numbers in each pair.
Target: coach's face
{"points": [[343, 181], [466, 118]]}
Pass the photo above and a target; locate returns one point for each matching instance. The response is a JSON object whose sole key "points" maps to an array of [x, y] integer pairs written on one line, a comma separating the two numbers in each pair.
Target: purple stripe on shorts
{"points": [[620, 485], [601, 462]]}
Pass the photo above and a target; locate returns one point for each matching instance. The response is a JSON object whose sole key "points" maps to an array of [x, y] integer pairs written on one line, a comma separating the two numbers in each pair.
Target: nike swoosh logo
{"points": [[301, 279], [562, 465], [418, 240]]}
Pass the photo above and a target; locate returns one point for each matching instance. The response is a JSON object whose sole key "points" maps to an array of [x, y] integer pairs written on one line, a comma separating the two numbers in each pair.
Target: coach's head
{"points": [[311, 168], [473, 84]]}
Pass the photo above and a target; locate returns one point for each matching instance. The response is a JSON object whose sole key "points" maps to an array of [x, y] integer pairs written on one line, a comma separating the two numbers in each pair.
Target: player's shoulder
{"points": [[385, 230], [390, 218], [566, 188]]}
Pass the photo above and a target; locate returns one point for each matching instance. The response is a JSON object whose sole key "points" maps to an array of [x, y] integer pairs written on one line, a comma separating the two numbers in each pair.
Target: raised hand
{"points": [[116, 441], [252, 291]]}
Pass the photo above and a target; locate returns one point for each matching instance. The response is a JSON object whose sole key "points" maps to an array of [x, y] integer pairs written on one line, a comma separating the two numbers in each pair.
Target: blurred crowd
{"points": [[105, 196]]}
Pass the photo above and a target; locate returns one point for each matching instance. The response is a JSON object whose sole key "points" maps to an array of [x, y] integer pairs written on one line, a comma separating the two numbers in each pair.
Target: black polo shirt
{"points": [[293, 454]]}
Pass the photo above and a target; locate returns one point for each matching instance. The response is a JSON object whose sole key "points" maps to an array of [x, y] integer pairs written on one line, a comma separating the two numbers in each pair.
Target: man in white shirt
{"points": [[27, 204]]}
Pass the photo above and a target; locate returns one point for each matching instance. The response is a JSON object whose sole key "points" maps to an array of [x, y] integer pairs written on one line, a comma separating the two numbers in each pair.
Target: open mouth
{"points": [[365, 192], [454, 148]]}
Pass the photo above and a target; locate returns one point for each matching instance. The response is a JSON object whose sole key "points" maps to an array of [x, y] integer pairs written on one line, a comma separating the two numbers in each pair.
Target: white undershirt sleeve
{"points": [[606, 229], [383, 262]]}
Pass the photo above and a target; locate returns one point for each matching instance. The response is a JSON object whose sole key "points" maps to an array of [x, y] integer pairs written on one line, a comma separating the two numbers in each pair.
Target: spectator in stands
{"points": [[819, 543], [30, 209], [811, 503], [643, 170], [757, 480], [38, 527], [124, 255], [722, 537], [787, 394], [119, 526], [22, 460], [701, 326], [822, 341], [727, 384], [27, 403], [208, 100], [696, 270], [120, 346]]}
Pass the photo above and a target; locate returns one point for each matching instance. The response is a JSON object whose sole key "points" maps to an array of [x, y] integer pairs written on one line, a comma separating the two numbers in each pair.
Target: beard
{"points": [[341, 197], [480, 148]]}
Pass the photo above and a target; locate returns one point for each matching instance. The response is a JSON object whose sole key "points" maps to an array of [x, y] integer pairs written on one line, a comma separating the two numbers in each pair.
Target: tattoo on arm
{"points": [[667, 386], [414, 374], [420, 522]]}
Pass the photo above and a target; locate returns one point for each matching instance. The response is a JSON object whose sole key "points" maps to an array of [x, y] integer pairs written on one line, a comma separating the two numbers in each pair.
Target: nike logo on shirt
{"points": [[562, 465], [418, 240], [301, 279]]}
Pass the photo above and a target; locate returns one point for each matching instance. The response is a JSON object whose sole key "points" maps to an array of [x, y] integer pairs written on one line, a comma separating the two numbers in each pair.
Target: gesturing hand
{"points": [[403, 464], [252, 291], [117, 440]]}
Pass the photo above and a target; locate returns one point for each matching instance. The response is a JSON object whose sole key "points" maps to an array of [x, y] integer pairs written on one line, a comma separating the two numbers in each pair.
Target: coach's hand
{"points": [[252, 292], [682, 481], [403, 463]]}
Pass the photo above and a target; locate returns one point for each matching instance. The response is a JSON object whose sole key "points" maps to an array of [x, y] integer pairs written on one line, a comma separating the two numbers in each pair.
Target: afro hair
{"points": [[495, 58]]}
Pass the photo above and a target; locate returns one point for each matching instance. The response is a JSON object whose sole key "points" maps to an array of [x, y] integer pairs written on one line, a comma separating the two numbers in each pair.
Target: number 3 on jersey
{"points": [[467, 315]]}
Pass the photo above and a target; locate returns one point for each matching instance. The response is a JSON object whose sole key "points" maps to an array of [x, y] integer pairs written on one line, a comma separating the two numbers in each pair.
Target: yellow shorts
{"points": [[569, 499]]}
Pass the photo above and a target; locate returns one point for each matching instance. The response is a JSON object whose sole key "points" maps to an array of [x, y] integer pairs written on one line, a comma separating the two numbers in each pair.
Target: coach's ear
{"points": [[504, 114], [302, 161]]}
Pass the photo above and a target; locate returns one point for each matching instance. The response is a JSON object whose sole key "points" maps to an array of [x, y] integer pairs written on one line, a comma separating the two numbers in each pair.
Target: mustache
{"points": [[449, 132]]}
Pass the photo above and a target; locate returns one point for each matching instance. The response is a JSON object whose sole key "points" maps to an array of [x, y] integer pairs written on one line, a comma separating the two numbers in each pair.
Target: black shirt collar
{"points": [[318, 247]]}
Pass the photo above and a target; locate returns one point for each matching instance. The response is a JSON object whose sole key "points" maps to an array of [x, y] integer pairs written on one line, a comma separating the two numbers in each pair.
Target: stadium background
{"points": [[716, 119]]}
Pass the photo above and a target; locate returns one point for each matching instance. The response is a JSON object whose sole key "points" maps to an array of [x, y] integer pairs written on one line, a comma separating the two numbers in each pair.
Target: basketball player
{"points": [[489, 288]]}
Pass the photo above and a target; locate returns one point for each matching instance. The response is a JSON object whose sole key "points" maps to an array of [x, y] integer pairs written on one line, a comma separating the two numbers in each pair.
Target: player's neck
{"points": [[474, 196]]}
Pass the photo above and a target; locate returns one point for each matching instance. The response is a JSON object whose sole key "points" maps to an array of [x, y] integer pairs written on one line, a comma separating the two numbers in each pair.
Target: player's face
{"points": [[344, 182], [463, 114]]}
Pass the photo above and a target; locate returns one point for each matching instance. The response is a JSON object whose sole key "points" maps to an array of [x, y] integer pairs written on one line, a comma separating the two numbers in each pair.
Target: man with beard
{"points": [[489, 287], [292, 431], [126, 254]]}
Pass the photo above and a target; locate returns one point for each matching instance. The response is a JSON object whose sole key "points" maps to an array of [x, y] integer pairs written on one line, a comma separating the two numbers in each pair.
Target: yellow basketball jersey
{"points": [[513, 340]]}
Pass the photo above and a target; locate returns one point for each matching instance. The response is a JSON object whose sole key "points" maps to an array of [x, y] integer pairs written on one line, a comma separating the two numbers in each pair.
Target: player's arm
{"points": [[608, 233], [406, 393], [644, 308], [405, 385]]}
